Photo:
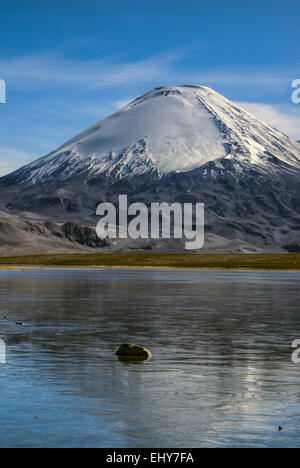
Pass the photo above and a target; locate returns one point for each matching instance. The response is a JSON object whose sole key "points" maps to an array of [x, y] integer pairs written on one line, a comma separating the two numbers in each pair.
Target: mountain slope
{"points": [[166, 130], [172, 144]]}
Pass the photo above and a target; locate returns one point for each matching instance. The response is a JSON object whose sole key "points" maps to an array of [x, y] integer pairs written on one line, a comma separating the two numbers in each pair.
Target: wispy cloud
{"points": [[122, 102], [11, 159], [42, 70], [54, 70]]}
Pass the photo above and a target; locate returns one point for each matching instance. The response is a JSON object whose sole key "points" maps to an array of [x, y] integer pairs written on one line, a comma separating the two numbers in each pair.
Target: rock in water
{"points": [[129, 350]]}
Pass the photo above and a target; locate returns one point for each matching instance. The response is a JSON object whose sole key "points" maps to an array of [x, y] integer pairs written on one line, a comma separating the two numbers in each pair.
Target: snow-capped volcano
{"points": [[173, 129], [183, 144]]}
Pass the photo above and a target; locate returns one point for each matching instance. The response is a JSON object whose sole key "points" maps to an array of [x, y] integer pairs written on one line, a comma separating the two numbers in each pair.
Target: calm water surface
{"points": [[221, 374]]}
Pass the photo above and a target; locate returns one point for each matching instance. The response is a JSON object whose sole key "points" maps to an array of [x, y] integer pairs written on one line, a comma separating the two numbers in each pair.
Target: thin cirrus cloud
{"points": [[29, 72], [50, 69]]}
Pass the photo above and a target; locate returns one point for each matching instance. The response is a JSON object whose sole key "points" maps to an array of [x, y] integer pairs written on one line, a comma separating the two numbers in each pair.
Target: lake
{"points": [[221, 374]]}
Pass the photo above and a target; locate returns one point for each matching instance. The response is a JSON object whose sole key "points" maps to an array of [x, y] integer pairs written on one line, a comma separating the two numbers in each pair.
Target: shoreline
{"points": [[129, 267], [102, 267], [153, 261]]}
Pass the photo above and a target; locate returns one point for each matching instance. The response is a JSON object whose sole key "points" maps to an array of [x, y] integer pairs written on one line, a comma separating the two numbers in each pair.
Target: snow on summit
{"points": [[169, 129]]}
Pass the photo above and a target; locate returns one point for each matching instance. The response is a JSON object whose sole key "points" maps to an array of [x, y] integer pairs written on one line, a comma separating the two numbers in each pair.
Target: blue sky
{"points": [[69, 63]]}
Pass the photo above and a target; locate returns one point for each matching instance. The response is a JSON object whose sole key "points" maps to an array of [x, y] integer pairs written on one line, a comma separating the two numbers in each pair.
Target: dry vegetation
{"points": [[157, 260]]}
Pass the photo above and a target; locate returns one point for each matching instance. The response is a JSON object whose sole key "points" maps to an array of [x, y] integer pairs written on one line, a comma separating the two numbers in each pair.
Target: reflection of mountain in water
{"points": [[221, 354]]}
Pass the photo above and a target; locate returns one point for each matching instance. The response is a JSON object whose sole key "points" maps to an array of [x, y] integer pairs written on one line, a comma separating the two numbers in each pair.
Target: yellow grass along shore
{"points": [[155, 260]]}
